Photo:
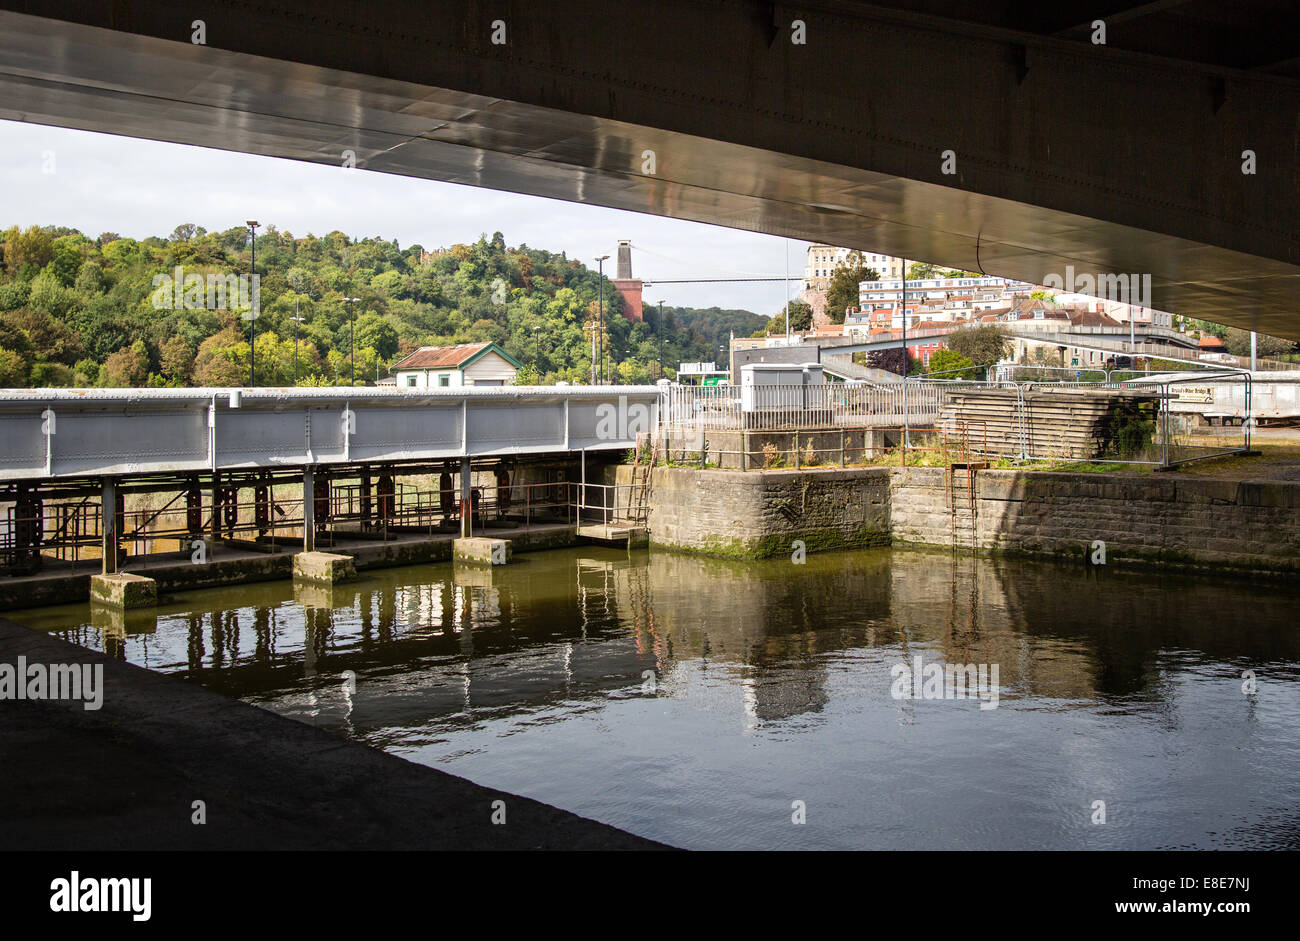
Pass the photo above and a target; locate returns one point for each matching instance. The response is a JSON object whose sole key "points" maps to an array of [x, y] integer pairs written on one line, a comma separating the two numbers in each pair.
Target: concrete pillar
{"points": [[466, 502], [109, 526], [308, 510]]}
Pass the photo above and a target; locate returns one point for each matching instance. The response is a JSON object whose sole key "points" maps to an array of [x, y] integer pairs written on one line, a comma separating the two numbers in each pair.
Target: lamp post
{"points": [[252, 282], [352, 341], [600, 262]]}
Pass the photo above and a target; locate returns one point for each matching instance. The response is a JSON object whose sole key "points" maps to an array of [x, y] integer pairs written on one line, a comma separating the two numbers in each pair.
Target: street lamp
{"points": [[600, 261], [252, 320], [352, 342]]}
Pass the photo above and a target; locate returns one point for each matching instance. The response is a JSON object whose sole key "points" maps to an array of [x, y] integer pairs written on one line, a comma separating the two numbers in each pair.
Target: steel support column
{"points": [[308, 510], [108, 528], [466, 504]]}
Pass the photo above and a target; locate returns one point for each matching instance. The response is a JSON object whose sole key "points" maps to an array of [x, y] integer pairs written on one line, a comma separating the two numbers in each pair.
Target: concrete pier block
{"points": [[325, 568], [123, 590], [482, 550]]}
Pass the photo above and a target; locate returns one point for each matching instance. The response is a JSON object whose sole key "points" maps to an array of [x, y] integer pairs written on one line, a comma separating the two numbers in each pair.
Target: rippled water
{"points": [[695, 701]]}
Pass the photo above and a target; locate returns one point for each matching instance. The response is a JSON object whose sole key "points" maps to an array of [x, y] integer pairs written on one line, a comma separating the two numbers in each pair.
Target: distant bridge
{"points": [[1146, 341]]}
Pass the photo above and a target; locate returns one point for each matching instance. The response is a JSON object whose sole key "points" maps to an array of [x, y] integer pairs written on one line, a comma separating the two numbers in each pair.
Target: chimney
{"points": [[625, 259]]}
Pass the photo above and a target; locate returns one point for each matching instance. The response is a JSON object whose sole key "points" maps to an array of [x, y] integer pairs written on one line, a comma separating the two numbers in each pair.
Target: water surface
{"points": [[695, 701]]}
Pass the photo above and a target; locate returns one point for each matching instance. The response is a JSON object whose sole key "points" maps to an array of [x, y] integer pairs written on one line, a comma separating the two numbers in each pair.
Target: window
{"points": [[410, 381], [444, 381]]}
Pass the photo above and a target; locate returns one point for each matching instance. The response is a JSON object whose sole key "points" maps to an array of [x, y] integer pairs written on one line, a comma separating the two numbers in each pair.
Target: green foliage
{"points": [[949, 364], [1238, 343], [76, 311], [1133, 435], [800, 318], [842, 293], [983, 346]]}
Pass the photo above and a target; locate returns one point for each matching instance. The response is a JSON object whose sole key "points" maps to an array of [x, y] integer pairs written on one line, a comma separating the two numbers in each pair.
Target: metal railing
{"points": [[72, 530], [781, 407], [1156, 434], [608, 504]]}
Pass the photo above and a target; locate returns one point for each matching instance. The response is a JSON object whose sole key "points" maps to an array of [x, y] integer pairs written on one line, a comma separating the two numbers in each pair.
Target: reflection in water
{"points": [[692, 700]]}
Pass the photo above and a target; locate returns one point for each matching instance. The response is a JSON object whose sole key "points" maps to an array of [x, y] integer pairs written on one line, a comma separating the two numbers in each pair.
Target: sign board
{"points": [[1201, 395]]}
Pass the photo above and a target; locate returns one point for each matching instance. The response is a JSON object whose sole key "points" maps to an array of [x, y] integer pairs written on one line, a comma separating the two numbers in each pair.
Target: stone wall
{"points": [[1162, 519], [760, 514], [1193, 522]]}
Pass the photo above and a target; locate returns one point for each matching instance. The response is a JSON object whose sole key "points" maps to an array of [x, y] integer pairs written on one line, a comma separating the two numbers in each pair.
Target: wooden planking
{"points": [[1073, 424]]}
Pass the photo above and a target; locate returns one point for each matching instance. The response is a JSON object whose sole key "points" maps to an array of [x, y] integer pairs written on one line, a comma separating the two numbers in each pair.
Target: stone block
{"points": [[123, 590], [482, 550], [323, 568]]}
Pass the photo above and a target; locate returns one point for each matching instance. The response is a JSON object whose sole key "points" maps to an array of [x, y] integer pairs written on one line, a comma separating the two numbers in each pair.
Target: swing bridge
{"points": [[178, 473]]}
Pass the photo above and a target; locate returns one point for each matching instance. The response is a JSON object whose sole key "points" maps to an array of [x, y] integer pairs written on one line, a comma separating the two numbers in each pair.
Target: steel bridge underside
{"points": [[1111, 159]]}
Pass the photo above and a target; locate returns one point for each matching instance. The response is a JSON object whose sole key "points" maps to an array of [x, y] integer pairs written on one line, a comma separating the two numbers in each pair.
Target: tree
{"points": [[68, 257], [176, 359], [920, 271], [127, 367], [31, 249], [1238, 343], [186, 231], [952, 365], [983, 346], [895, 360], [222, 359], [13, 369], [800, 319], [88, 302], [843, 290]]}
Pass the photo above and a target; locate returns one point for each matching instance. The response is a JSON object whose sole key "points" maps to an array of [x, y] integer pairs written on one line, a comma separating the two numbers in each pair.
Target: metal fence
{"points": [[789, 407], [1143, 418], [1166, 435]]}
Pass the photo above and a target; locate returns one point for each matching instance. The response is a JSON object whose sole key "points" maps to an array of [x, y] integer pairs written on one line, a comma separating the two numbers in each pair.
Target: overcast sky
{"points": [[137, 188]]}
